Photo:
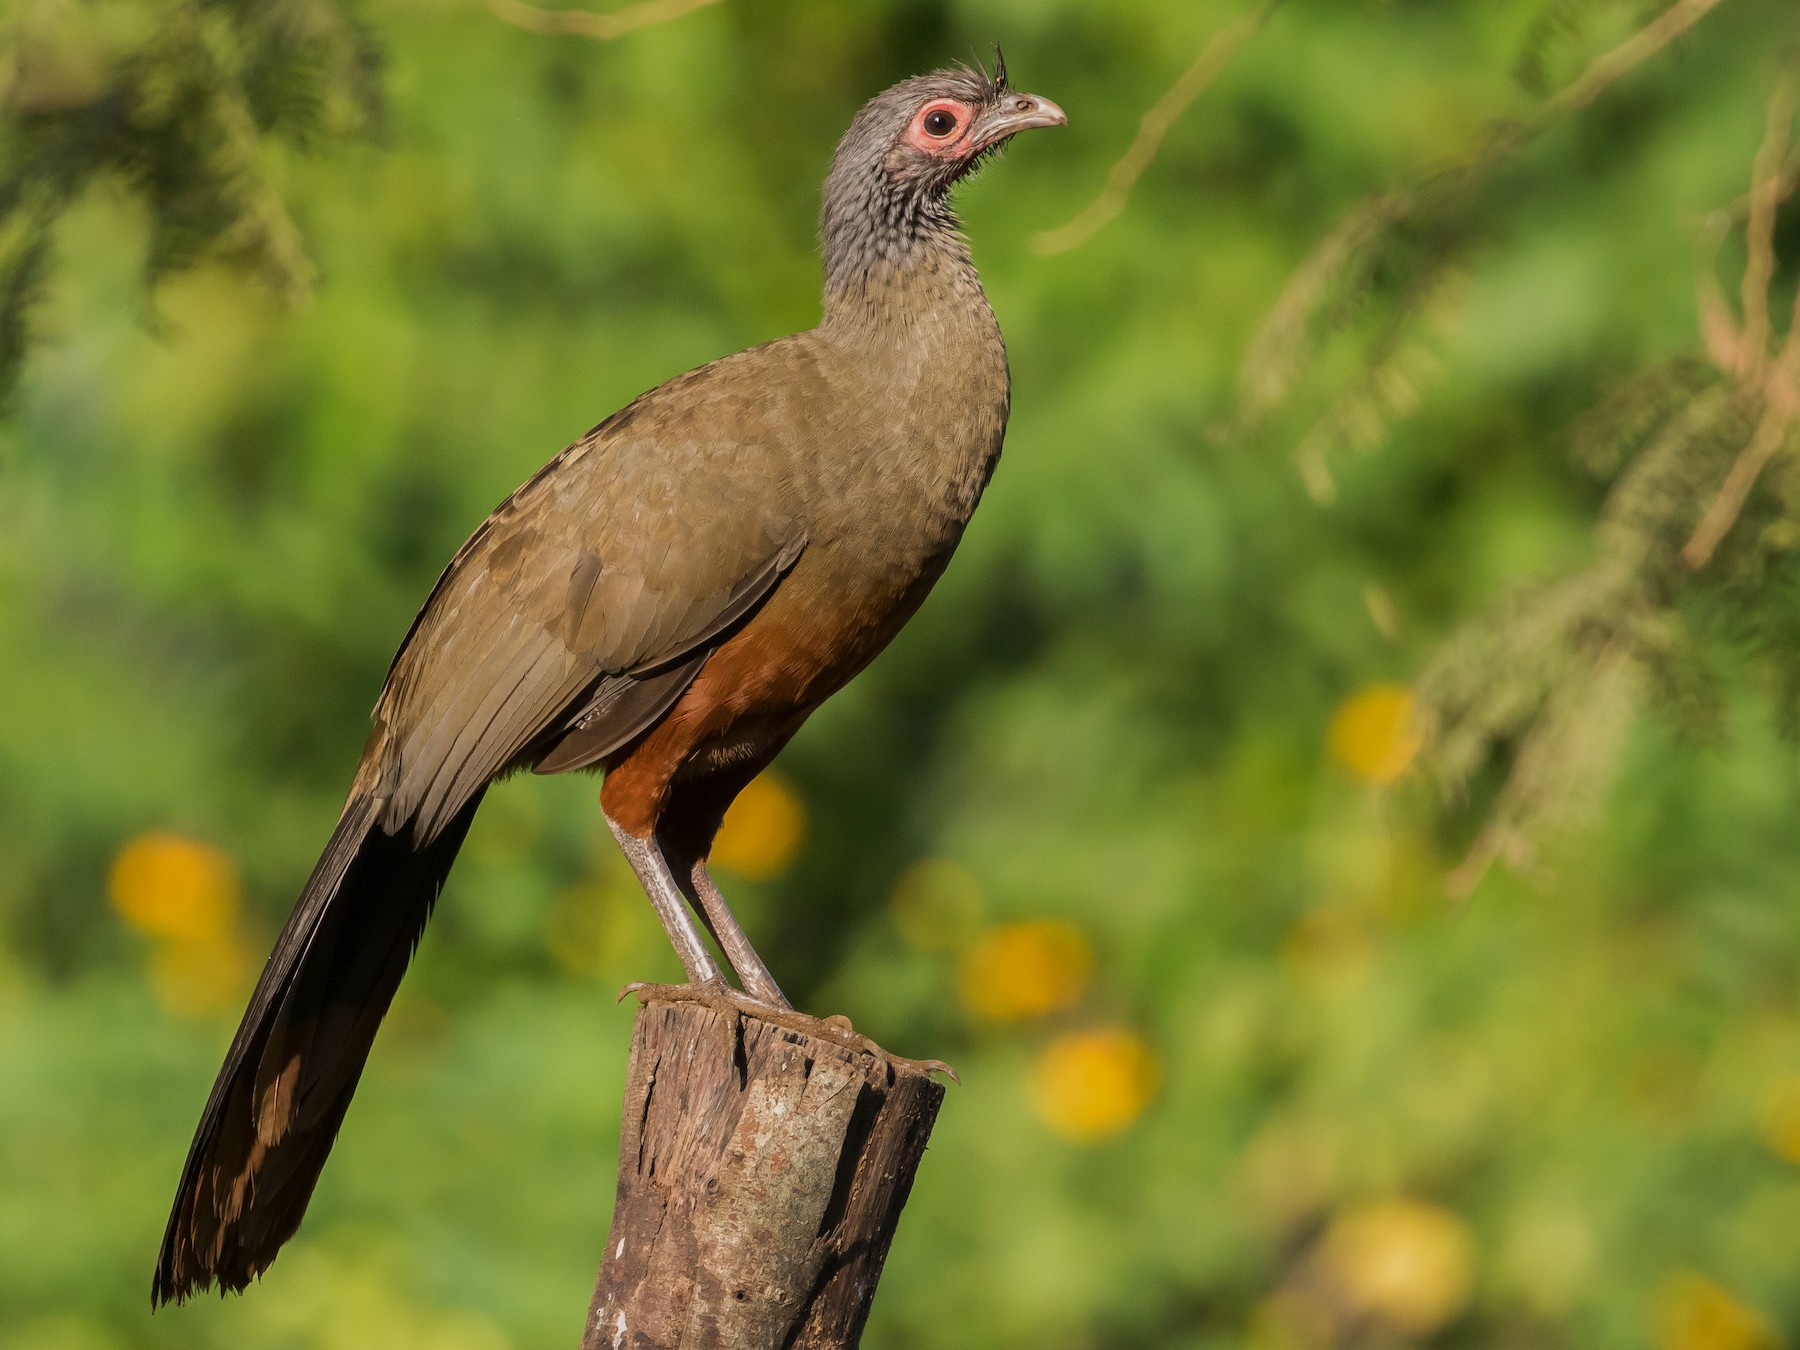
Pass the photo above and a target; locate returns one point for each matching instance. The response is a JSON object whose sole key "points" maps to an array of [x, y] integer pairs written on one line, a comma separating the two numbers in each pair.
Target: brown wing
{"points": [[580, 609]]}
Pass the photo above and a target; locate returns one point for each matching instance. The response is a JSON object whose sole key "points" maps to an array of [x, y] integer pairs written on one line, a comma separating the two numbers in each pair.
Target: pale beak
{"points": [[1015, 113]]}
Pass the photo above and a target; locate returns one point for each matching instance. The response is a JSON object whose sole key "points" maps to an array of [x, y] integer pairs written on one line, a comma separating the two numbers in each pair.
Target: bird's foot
{"points": [[718, 995], [836, 1028]]}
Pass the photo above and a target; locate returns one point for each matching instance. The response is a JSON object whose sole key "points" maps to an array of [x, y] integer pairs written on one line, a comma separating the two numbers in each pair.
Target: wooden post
{"points": [[763, 1163]]}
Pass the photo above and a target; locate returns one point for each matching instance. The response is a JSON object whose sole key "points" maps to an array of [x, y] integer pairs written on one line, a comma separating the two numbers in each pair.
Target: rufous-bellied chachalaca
{"points": [[665, 601]]}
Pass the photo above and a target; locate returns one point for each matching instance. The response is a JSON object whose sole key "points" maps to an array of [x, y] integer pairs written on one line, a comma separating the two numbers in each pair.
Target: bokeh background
{"points": [[1352, 861]]}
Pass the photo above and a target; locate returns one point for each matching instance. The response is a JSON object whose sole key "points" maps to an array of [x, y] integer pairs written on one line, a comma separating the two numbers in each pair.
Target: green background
{"points": [[218, 512]]}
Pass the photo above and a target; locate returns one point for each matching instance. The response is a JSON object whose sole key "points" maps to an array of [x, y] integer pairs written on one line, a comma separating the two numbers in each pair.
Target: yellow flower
{"points": [[1693, 1313], [1781, 1118], [1405, 1262], [173, 887], [1375, 733], [184, 894], [1019, 970], [198, 977], [936, 903], [1090, 1085], [763, 829]]}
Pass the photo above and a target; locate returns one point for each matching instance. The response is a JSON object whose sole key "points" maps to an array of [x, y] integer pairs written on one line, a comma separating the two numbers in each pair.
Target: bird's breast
{"points": [[866, 570]]}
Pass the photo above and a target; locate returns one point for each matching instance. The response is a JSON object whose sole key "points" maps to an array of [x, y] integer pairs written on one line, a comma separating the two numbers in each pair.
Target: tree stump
{"points": [[764, 1160]]}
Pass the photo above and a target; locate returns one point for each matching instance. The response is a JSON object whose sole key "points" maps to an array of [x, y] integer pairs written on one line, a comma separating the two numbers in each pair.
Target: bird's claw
{"points": [[938, 1066]]}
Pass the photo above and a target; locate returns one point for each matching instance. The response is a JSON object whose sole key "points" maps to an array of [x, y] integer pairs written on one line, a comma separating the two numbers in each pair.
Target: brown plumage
{"points": [[666, 600]]}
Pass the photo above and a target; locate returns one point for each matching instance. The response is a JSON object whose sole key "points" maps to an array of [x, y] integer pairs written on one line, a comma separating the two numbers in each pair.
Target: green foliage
{"points": [[1388, 237], [1552, 680], [182, 105]]}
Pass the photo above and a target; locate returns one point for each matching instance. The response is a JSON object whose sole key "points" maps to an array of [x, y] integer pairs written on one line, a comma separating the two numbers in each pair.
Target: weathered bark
{"points": [[763, 1165]]}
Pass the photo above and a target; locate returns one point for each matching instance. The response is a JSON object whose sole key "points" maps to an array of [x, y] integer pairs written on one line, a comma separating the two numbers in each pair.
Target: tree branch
{"points": [[1163, 114], [764, 1160], [1722, 514], [600, 27], [1776, 382], [1781, 401], [1275, 354], [1622, 59], [1720, 336], [1766, 184]]}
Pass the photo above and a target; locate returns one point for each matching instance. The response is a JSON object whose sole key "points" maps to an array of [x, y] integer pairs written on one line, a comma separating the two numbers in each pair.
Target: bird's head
{"points": [[894, 168], [927, 132]]}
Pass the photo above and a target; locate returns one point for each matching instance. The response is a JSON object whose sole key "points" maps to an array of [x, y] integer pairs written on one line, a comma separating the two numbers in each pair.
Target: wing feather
{"points": [[576, 614]]}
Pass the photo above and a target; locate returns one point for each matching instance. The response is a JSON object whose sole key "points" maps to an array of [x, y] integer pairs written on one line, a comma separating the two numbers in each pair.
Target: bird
{"points": [[664, 602]]}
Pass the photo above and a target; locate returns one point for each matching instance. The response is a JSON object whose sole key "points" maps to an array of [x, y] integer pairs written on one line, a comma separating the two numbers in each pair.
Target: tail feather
{"points": [[293, 1065]]}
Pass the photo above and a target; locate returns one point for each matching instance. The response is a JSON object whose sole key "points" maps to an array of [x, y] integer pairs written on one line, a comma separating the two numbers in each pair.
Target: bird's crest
{"points": [[996, 82]]}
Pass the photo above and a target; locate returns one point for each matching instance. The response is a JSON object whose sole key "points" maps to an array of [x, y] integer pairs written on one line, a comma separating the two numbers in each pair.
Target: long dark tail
{"points": [[293, 1065]]}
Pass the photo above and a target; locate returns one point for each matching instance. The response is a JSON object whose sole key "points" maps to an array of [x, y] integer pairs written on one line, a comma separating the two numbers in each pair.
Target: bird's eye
{"points": [[940, 122]]}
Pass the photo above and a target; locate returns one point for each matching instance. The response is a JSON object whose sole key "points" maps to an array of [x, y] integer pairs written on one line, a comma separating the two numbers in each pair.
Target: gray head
{"points": [[889, 188]]}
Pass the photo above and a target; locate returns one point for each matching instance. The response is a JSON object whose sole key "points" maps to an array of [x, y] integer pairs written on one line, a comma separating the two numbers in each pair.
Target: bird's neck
{"points": [[891, 256]]}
